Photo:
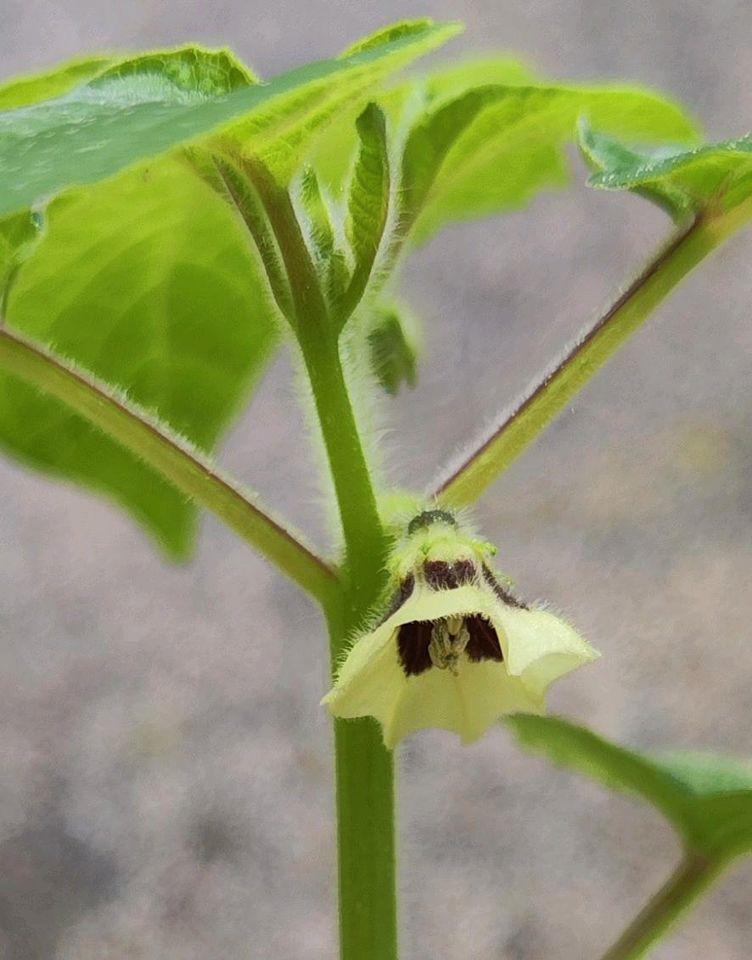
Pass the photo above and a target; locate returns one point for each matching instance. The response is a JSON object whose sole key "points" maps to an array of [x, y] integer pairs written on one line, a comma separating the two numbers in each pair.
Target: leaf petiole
{"points": [[169, 455], [691, 878], [550, 394]]}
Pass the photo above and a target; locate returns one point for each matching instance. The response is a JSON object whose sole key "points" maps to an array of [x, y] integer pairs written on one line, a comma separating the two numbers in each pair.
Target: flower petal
{"points": [[538, 646], [428, 604], [370, 681], [467, 703]]}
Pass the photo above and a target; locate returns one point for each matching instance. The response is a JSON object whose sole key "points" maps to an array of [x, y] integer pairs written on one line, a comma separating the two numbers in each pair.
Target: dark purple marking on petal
{"points": [[412, 646], [442, 575], [402, 594], [484, 641], [501, 593]]}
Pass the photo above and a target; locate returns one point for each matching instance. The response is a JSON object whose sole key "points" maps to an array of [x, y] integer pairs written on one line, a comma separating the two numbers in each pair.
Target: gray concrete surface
{"points": [[165, 767]]}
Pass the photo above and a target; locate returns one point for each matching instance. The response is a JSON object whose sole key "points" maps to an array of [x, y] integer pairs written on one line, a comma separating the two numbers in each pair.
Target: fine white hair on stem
{"points": [[148, 420], [322, 489], [495, 423]]}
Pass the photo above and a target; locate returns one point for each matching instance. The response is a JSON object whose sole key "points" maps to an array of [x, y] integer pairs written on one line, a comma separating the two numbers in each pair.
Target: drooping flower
{"points": [[454, 649]]}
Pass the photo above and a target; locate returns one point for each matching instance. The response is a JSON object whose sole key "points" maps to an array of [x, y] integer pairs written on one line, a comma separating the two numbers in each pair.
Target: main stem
{"points": [[364, 768], [691, 878]]}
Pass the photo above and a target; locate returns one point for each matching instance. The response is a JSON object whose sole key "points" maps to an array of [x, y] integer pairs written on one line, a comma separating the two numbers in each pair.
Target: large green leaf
{"points": [[494, 147], [453, 79], [707, 798], [486, 136], [286, 132], [716, 176], [191, 69], [19, 235], [140, 108], [148, 281], [58, 80]]}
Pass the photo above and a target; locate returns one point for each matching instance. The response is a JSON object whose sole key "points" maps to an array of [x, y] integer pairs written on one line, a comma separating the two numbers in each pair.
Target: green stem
{"points": [[365, 540], [692, 877], [559, 385], [364, 770], [169, 455], [365, 842], [364, 767]]}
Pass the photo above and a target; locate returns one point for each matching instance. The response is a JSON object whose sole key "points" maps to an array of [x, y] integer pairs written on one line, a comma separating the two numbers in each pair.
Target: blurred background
{"points": [[166, 770]]}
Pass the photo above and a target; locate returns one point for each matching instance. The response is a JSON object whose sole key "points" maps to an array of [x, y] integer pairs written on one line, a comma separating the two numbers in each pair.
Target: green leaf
{"points": [[429, 142], [454, 79], [19, 235], [230, 183], [154, 103], [127, 111], [322, 219], [601, 152], [286, 132], [714, 176], [401, 101], [394, 346], [494, 147], [191, 69], [707, 798], [148, 282], [368, 202], [318, 214], [22, 91]]}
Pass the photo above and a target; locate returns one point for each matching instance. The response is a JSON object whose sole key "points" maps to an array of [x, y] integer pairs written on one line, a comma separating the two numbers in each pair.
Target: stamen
{"points": [[448, 641], [442, 643]]}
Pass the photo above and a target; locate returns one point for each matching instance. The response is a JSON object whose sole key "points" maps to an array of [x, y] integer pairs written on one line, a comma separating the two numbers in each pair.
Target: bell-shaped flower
{"points": [[455, 649]]}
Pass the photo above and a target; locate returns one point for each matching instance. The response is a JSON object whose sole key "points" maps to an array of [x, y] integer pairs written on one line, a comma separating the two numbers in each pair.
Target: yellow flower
{"points": [[455, 649]]}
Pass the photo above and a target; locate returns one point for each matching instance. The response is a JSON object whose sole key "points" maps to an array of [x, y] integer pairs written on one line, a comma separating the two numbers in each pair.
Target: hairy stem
{"points": [[364, 767], [365, 541], [167, 454], [364, 770], [561, 383], [691, 878], [365, 834]]}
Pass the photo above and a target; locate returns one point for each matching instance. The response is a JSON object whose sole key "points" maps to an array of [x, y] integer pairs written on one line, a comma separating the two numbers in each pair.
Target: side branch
{"points": [[168, 454], [550, 395], [689, 881]]}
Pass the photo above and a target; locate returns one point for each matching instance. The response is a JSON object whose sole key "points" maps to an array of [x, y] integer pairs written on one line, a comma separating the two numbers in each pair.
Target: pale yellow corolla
{"points": [[454, 649]]}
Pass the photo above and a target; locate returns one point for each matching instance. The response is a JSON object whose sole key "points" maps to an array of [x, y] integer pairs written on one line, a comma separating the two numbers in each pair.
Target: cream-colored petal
{"points": [[428, 604], [370, 682], [540, 675], [539, 646], [368, 654], [467, 704], [367, 651]]}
